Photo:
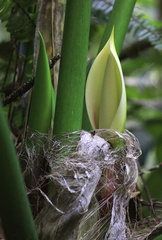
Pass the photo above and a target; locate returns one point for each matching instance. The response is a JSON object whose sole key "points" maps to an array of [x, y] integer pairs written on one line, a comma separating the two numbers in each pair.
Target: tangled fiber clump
{"points": [[93, 175]]}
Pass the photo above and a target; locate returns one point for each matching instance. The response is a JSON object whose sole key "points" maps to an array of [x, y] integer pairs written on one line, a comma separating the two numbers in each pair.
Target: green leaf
{"points": [[13, 198], [105, 90], [43, 96], [5, 8]]}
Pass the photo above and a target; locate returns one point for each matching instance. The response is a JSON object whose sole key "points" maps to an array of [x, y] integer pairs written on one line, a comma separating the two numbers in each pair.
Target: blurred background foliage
{"points": [[141, 60]]}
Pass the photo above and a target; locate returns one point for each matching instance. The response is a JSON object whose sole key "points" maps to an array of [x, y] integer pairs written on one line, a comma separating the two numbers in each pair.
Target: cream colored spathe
{"points": [[105, 90]]}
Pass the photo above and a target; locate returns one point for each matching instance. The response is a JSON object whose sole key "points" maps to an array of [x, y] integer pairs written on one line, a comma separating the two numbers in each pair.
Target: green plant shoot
{"points": [[43, 97]]}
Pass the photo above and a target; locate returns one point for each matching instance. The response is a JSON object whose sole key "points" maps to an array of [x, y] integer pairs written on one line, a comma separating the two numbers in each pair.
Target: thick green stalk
{"points": [[15, 211], [70, 94], [120, 17]]}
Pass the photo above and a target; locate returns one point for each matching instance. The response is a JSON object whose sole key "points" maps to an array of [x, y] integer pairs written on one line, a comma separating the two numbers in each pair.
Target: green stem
{"points": [[70, 94], [120, 17], [15, 211]]}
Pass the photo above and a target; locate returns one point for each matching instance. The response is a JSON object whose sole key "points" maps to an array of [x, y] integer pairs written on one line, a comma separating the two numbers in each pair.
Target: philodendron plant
{"points": [[105, 99]]}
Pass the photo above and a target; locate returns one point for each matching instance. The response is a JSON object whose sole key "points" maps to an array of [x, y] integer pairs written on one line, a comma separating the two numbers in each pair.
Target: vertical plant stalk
{"points": [[70, 94], [58, 13], [15, 211], [120, 17]]}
